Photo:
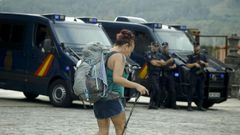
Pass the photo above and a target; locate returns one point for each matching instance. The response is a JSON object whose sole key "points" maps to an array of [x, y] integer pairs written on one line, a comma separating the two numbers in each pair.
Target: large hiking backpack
{"points": [[90, 79]]}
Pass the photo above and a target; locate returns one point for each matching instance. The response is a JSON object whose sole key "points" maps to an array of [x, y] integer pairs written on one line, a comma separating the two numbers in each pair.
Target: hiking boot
{"points": [[201, 109], [189, 108], [152, 106], [162, 107]]}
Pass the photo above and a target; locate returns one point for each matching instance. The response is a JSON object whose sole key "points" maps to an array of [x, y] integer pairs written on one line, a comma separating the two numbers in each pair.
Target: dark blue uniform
{"points": [[154, 79], [167, 84], [197, 79]]}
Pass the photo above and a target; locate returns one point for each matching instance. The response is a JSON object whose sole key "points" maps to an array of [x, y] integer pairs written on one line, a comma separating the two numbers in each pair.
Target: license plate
{"points": [[214, 94]]}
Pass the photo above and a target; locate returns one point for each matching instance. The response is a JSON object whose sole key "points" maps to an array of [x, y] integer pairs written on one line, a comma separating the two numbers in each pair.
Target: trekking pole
{"points": [[134, 104]]}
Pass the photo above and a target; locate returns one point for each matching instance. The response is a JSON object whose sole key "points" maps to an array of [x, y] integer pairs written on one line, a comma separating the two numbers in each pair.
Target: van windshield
{"points": [[177, 40], [78, 35]]}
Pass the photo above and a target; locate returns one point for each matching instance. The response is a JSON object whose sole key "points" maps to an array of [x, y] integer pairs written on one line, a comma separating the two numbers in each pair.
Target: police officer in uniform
{"points": [[196, 62], [167, 80], [154, 73]]}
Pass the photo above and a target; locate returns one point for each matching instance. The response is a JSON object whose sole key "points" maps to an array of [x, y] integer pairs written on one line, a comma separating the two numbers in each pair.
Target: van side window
{"points": [[11, 35], [142, 42], [43, 38], [112, 34]]}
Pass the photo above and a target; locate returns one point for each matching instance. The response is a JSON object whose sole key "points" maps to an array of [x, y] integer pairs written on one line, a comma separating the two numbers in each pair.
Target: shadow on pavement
{"points": [[24, 100], [37, 103]]}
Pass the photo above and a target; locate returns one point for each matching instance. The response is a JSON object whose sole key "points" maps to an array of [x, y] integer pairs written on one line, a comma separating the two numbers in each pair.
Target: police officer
{"points": [[154, 63], [196, 62], [167, 79]]}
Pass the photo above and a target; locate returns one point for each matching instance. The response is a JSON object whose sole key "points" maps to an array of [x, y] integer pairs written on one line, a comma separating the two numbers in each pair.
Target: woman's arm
{"points": [[117, 64]]}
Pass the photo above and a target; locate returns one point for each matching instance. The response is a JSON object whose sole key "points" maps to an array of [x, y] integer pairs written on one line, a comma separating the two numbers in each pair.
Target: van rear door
{"points": [[12, 54]]}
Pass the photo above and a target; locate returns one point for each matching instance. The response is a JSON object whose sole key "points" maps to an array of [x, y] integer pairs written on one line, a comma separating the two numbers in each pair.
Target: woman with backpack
{"points": [[113, 110]]}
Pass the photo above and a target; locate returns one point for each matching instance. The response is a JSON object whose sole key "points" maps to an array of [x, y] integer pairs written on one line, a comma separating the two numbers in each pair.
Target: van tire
{"points": [[30, 96], [59, 94]]}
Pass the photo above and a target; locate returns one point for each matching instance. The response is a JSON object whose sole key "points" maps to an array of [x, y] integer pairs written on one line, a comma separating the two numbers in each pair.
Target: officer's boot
{"points": [[152, 106], [189, 106], [174, 106], [200, 107]]}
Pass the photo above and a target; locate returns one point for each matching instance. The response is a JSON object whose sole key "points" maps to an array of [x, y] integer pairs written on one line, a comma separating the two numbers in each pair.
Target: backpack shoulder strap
{"points": [[108, 56]]}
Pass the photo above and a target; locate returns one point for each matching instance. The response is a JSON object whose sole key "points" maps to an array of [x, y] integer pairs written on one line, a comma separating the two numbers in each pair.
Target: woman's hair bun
{"points": [[124, 36]]}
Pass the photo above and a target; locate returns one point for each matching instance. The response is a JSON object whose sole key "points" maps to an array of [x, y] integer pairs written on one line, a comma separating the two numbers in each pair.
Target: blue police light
{"points": [[60, 17], [92, 20], [67, 68], [222, 76], [180, 27], [55, 17], [157, 26], [154, 25], [183, 27], [176, 74]]}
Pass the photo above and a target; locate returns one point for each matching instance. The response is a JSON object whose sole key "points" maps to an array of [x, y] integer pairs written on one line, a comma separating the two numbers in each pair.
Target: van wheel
{"points": [[30, 96], [59, 94]]}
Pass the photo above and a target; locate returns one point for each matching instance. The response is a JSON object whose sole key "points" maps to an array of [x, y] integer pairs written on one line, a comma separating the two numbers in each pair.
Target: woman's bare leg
{"points": [[119, 122], [103, 125]]}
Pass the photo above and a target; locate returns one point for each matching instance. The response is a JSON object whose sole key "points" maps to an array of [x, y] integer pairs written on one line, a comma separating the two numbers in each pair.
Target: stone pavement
{"points": [[21, 117]]}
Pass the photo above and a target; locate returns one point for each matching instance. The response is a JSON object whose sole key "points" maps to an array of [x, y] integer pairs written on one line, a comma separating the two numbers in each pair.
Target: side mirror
{"points": [[63, 46], [47, 45]]}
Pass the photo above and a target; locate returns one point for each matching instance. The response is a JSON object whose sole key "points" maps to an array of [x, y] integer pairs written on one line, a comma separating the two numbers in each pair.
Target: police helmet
{"points": [[165, 44]]}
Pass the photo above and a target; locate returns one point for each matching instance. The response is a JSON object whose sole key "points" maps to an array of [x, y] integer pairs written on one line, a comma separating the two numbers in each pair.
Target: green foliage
{"points": [[211, 16]]}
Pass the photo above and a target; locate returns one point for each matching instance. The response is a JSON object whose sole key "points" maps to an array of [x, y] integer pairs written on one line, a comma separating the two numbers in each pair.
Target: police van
{"points": [[36, 53], [181, 45]]}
